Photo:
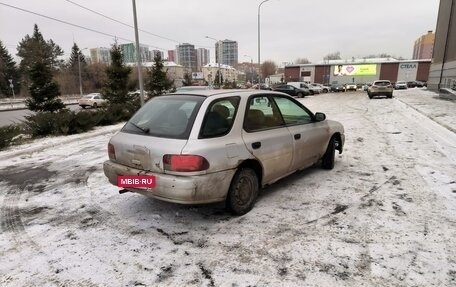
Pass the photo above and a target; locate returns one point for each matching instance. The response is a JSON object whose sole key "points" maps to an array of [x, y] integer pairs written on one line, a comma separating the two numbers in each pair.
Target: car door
{"points": [[267, 138], [309, 136]]}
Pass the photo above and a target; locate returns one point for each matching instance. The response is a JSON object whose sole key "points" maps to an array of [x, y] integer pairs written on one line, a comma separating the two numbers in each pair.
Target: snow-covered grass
{"points": [[384, 216]]}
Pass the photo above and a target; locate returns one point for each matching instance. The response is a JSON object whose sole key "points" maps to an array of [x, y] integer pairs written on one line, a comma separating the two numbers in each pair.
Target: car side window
{"points": [[219, 117], [262, 114], [96, 97], [292, 113]]}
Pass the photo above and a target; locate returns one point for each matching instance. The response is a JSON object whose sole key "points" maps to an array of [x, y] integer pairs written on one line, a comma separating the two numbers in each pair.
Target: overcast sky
{"points": [[290, 29]]}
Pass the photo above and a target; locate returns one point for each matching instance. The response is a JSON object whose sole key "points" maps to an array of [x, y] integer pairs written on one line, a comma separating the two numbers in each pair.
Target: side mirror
{"points": [[319, 117]]}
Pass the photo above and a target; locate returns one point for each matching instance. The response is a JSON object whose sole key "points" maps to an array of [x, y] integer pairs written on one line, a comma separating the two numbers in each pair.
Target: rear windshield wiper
{"points": [[145, 130]]}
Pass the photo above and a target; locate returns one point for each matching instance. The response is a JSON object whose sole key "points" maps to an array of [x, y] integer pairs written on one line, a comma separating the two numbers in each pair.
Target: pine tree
{"points": [[44, 91], [8, 71], [36, 49], [116, 87], [218, 80], [73, 63], [157, 81]]}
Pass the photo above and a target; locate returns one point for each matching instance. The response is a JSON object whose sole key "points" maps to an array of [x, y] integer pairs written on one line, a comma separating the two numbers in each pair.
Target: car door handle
{"points": [[297, 136], [256, 145]]}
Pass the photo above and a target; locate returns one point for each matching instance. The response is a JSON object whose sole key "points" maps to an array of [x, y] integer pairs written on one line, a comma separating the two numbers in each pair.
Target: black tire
{"points": [[389, 96], [311, 92], [300, 95], [327, 161], [95, 105], [325, 90], [243, 191]]}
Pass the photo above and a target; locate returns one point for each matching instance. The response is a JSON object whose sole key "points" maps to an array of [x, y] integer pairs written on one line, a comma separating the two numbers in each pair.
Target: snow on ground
{"points": [[384, 216]]}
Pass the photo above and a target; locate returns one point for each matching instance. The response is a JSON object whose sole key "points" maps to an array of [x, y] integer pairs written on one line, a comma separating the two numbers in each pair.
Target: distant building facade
{"points": [[100, 55], [202, 58], [171, 56], [129, 53], [186, 56], [226, 52], [156, 52], [443, 69], [359, 71], [422, 49]]}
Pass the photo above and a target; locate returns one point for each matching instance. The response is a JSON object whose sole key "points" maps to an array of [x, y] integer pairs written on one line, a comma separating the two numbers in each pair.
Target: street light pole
{"points": [[259, 61], [138, 56], [218, 70], [79, 68], [251, 68]]}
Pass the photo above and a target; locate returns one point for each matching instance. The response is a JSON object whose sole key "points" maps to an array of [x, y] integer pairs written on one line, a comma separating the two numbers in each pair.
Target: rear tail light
{"points": [[111, 151], [184, 163]]}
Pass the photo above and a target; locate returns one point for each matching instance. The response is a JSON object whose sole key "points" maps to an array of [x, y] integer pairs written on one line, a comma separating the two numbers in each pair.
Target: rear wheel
{"points": [[300, 95], [243, 191], [95, 105], [389, 96], [330, 154]]}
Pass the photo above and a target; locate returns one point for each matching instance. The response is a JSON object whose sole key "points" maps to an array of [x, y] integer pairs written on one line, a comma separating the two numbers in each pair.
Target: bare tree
{"points": [[268, 68], [302, 61], [332, 56]]}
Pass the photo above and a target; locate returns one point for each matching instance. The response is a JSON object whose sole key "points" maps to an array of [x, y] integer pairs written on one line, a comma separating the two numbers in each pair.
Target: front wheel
{"points": [[95, 105], [243, 191], [330, 154]]}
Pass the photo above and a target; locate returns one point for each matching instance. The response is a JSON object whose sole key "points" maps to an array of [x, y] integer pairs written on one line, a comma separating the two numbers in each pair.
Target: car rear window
{"points": [[169, 116], [382, 83]]}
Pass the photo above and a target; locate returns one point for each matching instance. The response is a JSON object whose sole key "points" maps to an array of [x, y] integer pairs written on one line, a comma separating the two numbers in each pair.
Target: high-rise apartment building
{"points": [[186, 56], [129, 53], [423, 46], [156, 52], [100, 55], [202, 58], [227, 50]]}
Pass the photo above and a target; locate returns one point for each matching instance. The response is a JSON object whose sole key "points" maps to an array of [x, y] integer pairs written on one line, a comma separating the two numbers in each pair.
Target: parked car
{"points": [[291, 90], [400, 85], [215, 145], [192, 88], [411, 84], [324, 89], [307, 87], [93, 100], [419, 84], [366, 86], [382, 87], [262, 87], [350, 87], [337, 88]]}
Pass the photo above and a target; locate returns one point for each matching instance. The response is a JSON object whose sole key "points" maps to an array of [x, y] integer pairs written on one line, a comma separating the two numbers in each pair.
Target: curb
{"points": [[25, 108], [65, 139]]}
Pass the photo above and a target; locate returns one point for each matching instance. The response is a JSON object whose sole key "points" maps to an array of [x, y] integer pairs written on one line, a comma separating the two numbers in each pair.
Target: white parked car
{"points": [[220, 145], [93, 100]]}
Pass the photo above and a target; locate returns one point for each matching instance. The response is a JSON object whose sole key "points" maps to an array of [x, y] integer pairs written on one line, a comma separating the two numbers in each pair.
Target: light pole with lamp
{"points": [[219, 58], [259, 62], [251, 68], [79, 68]]}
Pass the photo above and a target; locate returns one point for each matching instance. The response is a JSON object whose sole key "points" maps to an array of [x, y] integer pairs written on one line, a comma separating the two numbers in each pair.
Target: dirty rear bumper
{"points": [[196, 189]]}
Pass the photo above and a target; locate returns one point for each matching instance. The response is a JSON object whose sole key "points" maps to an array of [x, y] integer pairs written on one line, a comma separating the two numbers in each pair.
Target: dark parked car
{"points": [[411, 84], [290, 90], [337, 88]]}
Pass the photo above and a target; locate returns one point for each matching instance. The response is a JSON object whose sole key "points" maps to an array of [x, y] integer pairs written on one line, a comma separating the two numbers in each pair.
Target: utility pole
{"points": [[138, 57]]}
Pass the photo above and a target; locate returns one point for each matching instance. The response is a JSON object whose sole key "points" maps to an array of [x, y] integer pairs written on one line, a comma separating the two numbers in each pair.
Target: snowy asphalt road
{"points": [[384, 216]]}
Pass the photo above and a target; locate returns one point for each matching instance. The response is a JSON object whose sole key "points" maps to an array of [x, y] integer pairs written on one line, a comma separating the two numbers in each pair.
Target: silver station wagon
{"points": [[220, 145]]}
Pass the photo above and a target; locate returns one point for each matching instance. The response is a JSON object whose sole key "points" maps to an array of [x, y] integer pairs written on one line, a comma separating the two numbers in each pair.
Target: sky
{"points": [[290, 29]]}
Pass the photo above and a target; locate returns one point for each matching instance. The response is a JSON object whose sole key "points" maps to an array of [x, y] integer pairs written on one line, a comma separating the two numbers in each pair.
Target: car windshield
{"points": [[400, 83], [166, 116]]}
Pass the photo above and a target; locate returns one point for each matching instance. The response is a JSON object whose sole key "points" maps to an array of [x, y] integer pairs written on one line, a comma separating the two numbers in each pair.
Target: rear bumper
{"points": [[196, 189]]}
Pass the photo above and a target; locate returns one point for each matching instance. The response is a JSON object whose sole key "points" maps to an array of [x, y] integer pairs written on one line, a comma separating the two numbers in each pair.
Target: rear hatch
{"points": [[144, 152], [160, 127]]}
